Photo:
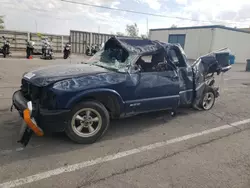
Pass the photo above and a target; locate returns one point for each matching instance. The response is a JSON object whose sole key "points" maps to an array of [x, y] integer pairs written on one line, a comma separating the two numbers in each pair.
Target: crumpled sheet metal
{"points": [[139, 46], [214, 62], [186, 85], [91, 81]]}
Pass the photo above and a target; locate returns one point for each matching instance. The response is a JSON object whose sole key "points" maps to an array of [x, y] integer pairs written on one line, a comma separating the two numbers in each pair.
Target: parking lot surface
{"points": [[193, 149]]}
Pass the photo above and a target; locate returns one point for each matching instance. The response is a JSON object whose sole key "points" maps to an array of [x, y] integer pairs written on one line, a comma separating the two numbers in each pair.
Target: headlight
{"points": [[28, 75], [66, 84], [24, 74]]}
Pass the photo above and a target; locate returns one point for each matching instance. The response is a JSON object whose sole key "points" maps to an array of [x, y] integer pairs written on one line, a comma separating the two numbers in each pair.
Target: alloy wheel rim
{"points": [[86, 122], [208, 100]]}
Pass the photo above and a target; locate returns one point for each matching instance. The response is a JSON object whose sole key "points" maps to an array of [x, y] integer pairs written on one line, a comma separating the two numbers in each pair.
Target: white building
{"points": [[201, 40]]}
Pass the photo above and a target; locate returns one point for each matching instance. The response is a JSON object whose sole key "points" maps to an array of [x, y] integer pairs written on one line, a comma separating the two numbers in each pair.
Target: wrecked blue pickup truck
{"points": [[126, 77]]}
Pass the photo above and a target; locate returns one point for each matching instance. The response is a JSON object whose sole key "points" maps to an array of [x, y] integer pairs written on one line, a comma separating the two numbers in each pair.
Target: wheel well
{"points": [[109, 101]]}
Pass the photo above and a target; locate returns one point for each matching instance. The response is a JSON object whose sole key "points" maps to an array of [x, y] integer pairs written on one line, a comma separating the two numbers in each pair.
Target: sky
{"points": [[57, 17]]}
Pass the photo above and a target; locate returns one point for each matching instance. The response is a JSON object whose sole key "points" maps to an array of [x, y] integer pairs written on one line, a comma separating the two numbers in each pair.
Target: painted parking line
{"points": [[9, 151], [84, 164], [19, 149]]}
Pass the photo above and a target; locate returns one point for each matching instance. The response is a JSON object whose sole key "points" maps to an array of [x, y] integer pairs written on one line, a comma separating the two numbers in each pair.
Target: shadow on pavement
{"points": [[57, 143]]}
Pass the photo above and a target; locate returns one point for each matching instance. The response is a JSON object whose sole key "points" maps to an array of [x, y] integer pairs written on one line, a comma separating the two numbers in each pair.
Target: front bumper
{"points": [[29, 126], [39, 120]]}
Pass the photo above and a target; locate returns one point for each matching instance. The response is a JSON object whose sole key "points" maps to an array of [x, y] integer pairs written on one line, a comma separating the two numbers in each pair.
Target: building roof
{"points": [[245, 29], [203, 27]]}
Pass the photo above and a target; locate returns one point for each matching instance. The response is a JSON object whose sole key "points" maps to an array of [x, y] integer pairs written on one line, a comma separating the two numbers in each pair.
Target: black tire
{"points": [[103, 114], [66, 55], [4, 53], [28, 53], [207, 91], [87, 52]]}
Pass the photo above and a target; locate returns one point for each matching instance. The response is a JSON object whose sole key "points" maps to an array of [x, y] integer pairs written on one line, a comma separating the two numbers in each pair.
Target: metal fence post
{"points": [[90, 39], [248, 65], [62, 43]]}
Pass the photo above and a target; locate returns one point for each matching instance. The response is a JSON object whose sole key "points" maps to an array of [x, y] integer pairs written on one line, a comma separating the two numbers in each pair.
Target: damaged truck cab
{"points": [[126, 77]]}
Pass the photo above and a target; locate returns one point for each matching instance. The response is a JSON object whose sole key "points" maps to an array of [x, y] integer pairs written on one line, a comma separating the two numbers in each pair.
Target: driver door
{"points": [[155, 90]]}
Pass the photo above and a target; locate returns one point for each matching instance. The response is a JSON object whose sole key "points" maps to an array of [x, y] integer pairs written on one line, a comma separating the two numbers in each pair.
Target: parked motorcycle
{"points": [[66, 51], [90, 51], [29, 48], [5, 49], [47, 51]]}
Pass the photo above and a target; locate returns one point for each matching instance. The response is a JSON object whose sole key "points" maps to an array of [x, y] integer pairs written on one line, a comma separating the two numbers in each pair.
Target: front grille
{"points": [[30, 91], [41, 96], [48, 99]]}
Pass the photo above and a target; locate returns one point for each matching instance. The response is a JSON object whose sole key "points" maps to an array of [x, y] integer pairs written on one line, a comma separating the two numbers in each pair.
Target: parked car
{"points": [[80, 99]]}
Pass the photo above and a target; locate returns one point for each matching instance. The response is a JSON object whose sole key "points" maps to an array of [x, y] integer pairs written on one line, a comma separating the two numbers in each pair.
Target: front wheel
{"points": [[4, 53], [208, 99], [87, 52], [66, 55], [88, 121]]}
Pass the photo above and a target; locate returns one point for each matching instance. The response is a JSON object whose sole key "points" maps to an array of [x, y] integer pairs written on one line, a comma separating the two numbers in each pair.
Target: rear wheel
{"points": [[208, 99], [28, 53], [88, 122]]}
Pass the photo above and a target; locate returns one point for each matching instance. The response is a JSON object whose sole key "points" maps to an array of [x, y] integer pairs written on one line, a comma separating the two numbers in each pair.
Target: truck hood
{"points": [[51, 74]]}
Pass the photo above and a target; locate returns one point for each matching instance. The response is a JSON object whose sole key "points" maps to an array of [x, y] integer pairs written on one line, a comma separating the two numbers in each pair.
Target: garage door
{"points": [[180, 39]]}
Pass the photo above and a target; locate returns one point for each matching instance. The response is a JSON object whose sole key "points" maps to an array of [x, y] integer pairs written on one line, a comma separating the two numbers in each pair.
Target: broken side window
{"points": [[176, 57], [153, 63]]}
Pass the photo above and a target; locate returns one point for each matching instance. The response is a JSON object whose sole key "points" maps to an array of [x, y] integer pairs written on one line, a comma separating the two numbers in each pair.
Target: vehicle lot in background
{"points": [[176, 165]]}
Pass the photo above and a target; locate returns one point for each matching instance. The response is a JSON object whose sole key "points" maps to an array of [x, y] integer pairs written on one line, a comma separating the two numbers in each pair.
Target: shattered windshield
{"points": [[116, 59]]}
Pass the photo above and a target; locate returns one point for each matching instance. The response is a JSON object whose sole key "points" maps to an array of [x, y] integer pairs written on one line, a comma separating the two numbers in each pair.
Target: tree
{"points": [[120, 34], [132, 30], [144, 36], [174, 26], [1, 22]]}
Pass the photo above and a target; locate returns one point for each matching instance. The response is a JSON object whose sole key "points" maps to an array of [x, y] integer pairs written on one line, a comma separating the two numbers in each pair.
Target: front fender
{"points": [[94, 92]]}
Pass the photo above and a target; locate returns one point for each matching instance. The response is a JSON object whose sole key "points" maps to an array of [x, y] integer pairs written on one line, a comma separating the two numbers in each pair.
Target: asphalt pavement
{"points": [[193, 149]]}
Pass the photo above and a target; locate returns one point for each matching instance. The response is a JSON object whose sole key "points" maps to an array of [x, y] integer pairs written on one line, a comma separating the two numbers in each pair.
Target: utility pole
{"points": [[36, 25]]}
